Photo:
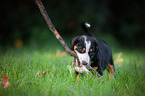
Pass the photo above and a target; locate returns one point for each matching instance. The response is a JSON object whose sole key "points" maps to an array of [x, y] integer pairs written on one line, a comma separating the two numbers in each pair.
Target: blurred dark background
{"points": [[22, 22]]}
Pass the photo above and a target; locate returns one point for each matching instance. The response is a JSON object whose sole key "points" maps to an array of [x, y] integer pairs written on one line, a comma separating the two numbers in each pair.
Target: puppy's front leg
{"points": [[111, 71]]}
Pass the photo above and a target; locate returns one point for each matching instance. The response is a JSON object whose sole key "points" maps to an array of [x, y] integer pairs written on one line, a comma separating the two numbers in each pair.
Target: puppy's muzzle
{"points": [[77, 63], [84, 63]]}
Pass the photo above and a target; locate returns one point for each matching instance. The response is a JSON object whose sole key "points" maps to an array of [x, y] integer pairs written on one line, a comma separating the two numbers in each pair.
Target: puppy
{"points": [[92, 51]]}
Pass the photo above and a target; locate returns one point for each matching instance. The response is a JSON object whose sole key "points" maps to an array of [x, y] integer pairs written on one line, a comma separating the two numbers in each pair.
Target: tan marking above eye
{"points": [[75, 47], [84, 49], [97, 47], [91, 50]]}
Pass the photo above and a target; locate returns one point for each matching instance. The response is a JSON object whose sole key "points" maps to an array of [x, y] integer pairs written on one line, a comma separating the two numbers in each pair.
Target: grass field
{"points": [[23, 65]]}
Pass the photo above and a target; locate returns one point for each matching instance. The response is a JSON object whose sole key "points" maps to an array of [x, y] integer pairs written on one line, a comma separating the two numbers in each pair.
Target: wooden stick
{"points": [[56, 34], [53, 29]]}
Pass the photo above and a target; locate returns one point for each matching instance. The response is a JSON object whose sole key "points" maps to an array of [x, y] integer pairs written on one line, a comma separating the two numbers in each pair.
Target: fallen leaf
{"points": [[5, 81], [18, 43], [60, 54], [38, 73], [6, 84], [118, 58], [48, 71], [63, 54], [44, 73]]}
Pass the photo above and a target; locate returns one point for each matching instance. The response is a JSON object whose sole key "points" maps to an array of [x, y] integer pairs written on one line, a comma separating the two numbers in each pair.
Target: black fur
{"points": [[101, 55]]}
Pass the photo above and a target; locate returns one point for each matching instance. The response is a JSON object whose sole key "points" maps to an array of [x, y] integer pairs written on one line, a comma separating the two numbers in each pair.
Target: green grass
{"points": [[22, 65]]}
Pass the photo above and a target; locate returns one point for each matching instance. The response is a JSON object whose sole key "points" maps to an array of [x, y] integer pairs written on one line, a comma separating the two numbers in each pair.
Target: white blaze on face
{"points": [[85, 56]]}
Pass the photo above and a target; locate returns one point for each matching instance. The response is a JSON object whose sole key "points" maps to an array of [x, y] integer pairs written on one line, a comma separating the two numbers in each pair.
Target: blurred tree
{"points": [[127, 21], [122, 18]]}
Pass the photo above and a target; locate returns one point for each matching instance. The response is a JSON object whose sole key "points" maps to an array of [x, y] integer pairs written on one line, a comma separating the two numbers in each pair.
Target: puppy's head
{"points": [[85, 47]]}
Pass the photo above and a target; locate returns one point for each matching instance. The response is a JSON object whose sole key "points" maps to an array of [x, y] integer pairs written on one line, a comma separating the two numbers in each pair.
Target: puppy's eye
{"points": [[82, 50]]}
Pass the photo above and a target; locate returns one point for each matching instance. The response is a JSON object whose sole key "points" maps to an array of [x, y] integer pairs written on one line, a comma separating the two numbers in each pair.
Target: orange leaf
{"points": [[63, 54], [18, 43], [39, 74], [46, 72], [6, 84], [60, 54], [5, 81], [118, 59]]}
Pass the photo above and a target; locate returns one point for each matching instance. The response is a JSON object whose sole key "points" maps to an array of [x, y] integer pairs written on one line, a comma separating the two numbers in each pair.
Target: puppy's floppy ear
{"points": [[74, 41]]}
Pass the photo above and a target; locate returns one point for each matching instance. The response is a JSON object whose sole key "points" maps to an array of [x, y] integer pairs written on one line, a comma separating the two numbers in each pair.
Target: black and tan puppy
{"points": [[92, 51]]}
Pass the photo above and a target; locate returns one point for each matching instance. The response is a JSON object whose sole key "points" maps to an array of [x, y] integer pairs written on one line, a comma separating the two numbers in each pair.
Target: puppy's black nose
{"points": [[84, 63]]}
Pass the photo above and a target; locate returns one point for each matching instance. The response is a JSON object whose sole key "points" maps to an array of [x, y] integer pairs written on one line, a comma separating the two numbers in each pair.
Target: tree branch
{"points": [[53, 29]]}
